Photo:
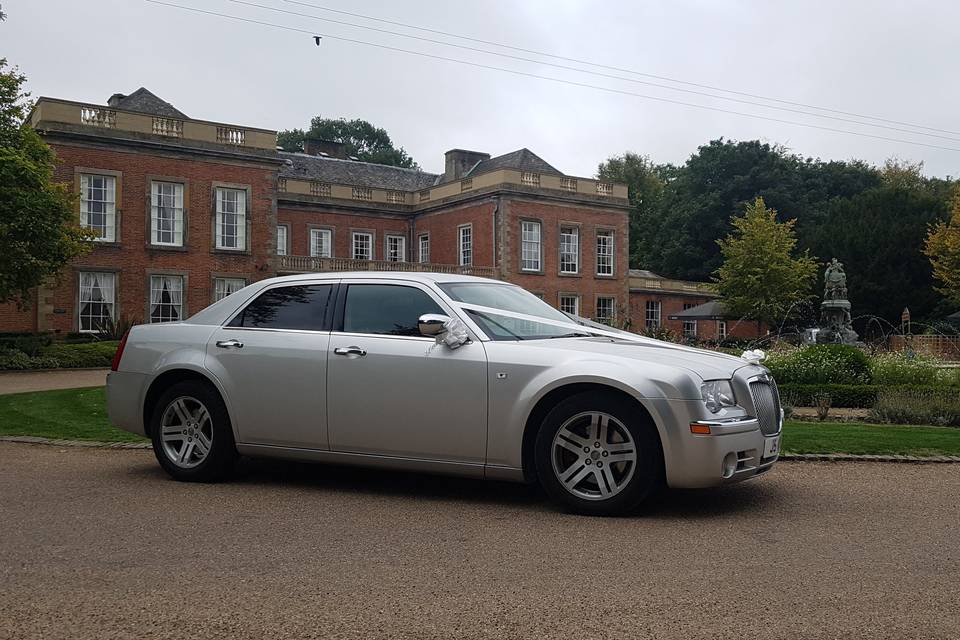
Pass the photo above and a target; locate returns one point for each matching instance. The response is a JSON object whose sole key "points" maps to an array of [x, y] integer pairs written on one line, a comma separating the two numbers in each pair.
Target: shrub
{"points": [[28, 343], [857, 396], [17, 360], [939, 407], [904, 368], [821, 364], [73, 356]]}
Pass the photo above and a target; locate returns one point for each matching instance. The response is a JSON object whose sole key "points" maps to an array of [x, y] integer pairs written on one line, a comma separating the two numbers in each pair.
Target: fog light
{"points": [[729, 464]]}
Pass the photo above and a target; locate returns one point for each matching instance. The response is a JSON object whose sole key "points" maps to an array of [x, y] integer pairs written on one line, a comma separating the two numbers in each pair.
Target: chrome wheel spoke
{"points": [[186, 432], [185, 452], [202, 443], [180, 408], [594, 455], [574, 478]]}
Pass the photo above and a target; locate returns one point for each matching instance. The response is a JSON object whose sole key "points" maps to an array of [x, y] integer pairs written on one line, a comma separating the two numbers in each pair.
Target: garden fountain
{"points": [[835, 322]]}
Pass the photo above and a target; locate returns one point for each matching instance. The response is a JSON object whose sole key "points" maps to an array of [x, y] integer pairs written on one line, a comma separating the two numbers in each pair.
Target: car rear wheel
{"points": [[191, 433], [597, 455]]}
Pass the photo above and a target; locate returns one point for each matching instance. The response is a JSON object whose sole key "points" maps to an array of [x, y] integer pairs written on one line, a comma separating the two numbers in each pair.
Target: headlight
{"points": [[717, 394]]}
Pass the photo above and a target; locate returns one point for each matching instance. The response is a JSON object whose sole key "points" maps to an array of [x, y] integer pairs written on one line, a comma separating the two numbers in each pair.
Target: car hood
{"points": [[709, 365]]}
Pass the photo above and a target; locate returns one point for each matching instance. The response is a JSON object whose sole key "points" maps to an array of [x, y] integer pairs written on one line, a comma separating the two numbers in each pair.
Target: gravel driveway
{"points": [[100, 544]]}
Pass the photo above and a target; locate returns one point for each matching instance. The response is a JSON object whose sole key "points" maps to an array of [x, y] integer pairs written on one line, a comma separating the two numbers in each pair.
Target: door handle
{"points": [[227, 344], [349, 351]]}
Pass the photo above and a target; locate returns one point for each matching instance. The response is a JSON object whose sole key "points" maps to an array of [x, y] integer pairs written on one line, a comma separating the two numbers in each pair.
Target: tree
{"points": [[942, 246], [363, 140], [39, 228], [761, 278], [645, 183]]}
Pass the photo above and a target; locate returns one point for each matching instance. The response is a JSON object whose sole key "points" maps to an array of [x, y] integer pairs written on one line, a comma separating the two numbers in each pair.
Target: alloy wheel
{"points": [[186, 432], [593, 455]]}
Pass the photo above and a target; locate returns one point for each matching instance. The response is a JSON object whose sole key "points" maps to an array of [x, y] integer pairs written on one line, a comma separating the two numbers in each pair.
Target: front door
{"points": [[271, 359], [393, 392]]}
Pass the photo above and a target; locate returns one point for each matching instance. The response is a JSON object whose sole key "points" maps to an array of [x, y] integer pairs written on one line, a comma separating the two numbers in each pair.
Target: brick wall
{"points": [[549, 282], [443, 225], [300, 220], [133, 260]]}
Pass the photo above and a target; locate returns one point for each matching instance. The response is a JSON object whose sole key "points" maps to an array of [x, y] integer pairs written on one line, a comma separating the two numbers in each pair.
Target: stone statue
{"points": [[835, 320], [835, 280]]}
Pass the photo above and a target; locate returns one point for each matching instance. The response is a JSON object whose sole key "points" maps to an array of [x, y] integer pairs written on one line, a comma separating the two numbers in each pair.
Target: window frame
{"points": [[649, 323], [687, 323], [420, 253], [577, 234], [152, 232], [721, 330], [576, 302], [184, 288], [460, 244], [325, 323], [115, 304], [286, 239], [214, 277], [403, 247], [338, 322], [354, 233], [603, 233], [243, 225], [82, 173], [311, 230], [524, 242], [613, 309]]}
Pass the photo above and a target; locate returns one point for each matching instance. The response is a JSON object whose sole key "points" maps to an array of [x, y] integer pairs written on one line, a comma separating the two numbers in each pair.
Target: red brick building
{"points": [[188, 211]]}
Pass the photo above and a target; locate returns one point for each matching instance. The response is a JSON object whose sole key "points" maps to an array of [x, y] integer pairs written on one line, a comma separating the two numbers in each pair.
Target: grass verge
{"points": [[869, 439], [80, 414], [73, 414]]}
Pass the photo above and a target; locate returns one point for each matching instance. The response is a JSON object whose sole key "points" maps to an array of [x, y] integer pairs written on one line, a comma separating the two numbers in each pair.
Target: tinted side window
{"points": [[386, 308], [297, 307]]}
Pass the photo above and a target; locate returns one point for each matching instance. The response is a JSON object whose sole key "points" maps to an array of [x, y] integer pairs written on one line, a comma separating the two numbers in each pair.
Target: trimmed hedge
{"points": [[854, 396], [29, 343], [61, 356], [821, 364]]}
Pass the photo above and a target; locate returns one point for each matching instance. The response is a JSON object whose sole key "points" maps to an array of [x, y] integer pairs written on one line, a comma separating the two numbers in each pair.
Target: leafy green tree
{"points": [[39, 229], [363, 140], [645, 183], [761, 278], [880, 235], [942, 246]]}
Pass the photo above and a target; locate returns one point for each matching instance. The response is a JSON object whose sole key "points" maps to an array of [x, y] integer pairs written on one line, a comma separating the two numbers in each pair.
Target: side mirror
{"points": [[432, 324]]}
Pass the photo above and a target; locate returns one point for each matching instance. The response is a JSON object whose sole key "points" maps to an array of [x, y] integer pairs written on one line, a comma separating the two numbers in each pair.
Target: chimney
{"points": [[327, 148], [460, 161], [115, 99]]}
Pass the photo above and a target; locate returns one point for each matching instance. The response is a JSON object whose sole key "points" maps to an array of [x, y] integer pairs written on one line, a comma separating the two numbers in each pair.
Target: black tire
{"points": [[647, 472], [219, 461]]}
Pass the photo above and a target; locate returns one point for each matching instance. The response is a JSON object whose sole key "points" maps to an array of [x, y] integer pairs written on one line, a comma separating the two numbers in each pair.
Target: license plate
{"points": [[771, 447]]}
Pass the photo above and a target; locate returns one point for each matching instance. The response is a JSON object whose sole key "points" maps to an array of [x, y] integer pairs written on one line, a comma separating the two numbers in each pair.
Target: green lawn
{"points": [[75, 414], [80, 414], [875, 439]]}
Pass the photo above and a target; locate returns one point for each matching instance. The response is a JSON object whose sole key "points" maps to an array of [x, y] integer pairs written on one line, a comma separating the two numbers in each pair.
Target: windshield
{"points": [[504, 327], [502, 296]]}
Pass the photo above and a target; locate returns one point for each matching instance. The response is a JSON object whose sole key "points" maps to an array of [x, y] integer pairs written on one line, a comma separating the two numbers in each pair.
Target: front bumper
{"points": [[696, 461]]}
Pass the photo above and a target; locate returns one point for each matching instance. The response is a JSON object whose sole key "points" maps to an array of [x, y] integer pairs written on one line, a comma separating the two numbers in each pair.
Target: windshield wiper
{"points": [[573, 334]]}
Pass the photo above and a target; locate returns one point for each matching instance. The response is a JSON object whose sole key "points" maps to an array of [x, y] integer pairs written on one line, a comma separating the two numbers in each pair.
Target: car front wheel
{"points": [[191, 433], [597, 455]]}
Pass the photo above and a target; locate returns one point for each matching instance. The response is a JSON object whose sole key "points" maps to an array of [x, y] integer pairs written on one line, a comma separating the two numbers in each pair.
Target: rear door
{"points": [[394, 392], [271, 359]]}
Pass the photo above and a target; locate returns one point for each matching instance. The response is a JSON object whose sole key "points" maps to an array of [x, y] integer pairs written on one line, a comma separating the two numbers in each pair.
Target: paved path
{"points": [[21, 381], [100, 544]]}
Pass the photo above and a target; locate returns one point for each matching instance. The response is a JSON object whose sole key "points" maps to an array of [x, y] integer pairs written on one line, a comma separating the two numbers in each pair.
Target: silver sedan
{"points": [[443, 374]]}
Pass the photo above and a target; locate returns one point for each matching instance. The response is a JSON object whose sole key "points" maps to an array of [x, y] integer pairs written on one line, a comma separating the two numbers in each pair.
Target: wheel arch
{"points": [[164, 381], [558, 394]]}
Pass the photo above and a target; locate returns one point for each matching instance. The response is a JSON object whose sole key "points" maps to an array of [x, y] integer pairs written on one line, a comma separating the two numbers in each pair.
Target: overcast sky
{"points": [[894, 60]]}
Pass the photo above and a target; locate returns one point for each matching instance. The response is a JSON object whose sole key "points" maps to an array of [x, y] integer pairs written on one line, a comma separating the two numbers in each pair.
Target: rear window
{"points": [[301, 307]]}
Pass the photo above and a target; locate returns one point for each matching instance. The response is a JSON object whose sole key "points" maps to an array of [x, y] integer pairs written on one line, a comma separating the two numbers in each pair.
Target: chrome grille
{"points": [[766, 400]]}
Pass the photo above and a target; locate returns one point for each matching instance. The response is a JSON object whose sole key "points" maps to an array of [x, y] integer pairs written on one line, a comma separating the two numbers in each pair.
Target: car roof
{"points": [[416, 276]]}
